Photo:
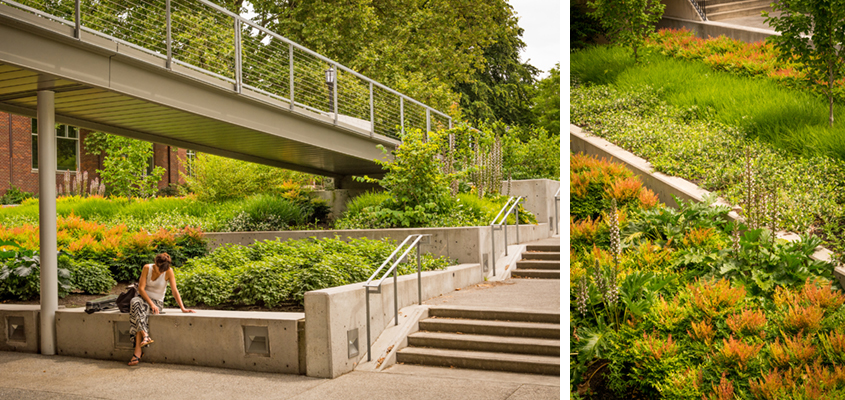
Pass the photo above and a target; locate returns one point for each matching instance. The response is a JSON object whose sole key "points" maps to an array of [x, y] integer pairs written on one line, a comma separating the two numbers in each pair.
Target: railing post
{"points": [[419, 273], [334, 86], [77, 31], [427, 122], [395, 297], [238, 69], [372, 112], [516, 210], [450, 123], [402, 114], [505, 228], [369, 353], [168, 39], [290, 53], [557, 215]]}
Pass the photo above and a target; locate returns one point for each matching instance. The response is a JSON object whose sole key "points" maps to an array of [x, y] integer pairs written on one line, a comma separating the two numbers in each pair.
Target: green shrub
{"points": [[266, 213], [204, 284], [367, 200], [14, 195], [20, 274], [90, 277], [265, 283]]}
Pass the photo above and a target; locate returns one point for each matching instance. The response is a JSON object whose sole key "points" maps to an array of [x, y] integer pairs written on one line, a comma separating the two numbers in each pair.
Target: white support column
{"points": [[47, 217]]}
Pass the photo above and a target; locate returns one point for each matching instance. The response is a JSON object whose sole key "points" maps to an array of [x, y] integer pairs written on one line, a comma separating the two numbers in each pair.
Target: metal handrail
{"points": [[557, 212], [371, 287], [699, 8], [238, 25], [501, 223]]}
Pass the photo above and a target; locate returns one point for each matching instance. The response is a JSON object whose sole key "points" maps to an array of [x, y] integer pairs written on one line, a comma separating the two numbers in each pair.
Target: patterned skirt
{"points": [[139, 316]]}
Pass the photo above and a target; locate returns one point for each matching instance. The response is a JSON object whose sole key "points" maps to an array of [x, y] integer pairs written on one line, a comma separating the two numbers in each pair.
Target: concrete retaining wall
{"points": [[252, 341], [539, 196], [471, 244], [705, 29], [21, 326], [336, 314], [681, 9]]}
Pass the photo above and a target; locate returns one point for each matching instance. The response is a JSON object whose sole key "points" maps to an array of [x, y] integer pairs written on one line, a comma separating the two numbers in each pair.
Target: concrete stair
{"points": [[539, 262], [722, 10], [495, 340]]}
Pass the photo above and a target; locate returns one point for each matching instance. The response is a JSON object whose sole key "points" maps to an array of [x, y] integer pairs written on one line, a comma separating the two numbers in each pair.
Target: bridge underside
{"points": [[106, 86]]}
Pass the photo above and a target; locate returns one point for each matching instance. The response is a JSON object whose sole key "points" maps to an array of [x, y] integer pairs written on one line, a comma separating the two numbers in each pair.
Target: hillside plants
{"points": [[686, 304], [277, 273], [716, 156]]}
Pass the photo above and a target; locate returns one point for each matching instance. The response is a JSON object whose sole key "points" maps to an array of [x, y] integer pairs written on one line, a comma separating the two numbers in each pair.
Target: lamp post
{"points": [[330, 80]]}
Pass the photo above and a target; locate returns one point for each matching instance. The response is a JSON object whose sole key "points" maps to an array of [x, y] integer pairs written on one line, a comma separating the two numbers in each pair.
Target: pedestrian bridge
{"points": [[191, 74]]}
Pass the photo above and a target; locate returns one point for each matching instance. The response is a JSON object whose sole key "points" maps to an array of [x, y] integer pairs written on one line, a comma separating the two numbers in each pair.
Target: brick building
{"points": [[19, 157]]}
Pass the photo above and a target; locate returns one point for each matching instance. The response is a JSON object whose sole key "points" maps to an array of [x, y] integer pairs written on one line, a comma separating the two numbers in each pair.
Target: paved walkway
{"points": [[753, 21], [31, 376]]}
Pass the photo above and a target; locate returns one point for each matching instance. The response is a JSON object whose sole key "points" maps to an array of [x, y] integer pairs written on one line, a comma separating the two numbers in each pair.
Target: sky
{"points": [[540, 20]]}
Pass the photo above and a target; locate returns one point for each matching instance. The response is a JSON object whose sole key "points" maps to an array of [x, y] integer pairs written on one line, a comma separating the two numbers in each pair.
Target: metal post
{"points": [[427, 122], [77, 31], [557, 215], [168, 38], [505, 224], [402, 113], [238, 62], [290, 52], [450, 123], [419, 273], [395, 297], [369, 354], [372, 112], [516, 210], [47, 218], [334, 92]]}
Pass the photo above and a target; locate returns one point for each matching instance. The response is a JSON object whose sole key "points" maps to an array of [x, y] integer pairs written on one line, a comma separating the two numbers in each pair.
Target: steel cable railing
{"points": [[207, 38]]}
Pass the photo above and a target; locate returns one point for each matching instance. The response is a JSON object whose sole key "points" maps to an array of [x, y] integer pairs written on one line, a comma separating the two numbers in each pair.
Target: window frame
{"points": [[33, 130]]}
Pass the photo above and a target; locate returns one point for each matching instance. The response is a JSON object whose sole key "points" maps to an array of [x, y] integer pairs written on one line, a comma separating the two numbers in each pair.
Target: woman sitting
{"points": [[151, 287]]}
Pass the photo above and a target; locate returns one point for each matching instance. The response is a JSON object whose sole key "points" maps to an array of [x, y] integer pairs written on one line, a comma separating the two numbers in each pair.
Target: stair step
{"points": [[494, 314], [538, 264], [745, 12], [498, 328], [536, 255], [543, 247], [487, 343], [522, 363], [736, 5], [536, 273]]}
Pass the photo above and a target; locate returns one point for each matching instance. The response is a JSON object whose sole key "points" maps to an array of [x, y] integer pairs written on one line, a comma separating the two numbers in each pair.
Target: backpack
{"points": [[125, 299]]}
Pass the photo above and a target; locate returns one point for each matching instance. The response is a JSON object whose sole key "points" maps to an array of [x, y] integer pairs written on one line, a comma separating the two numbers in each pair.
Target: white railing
{"points": [[205, 37]]}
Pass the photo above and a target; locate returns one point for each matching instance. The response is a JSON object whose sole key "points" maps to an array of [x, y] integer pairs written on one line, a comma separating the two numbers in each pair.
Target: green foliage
{"points": [[14, 195], [125, 164], [628, 23], [266, 213], [216, 178], [812, 33], [584, 29], [274, 273], [547, 103], [90, 276], [20, 273]]}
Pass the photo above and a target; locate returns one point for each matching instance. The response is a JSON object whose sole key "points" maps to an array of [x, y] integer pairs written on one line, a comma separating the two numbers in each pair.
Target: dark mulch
{"points": [[596, 384]]}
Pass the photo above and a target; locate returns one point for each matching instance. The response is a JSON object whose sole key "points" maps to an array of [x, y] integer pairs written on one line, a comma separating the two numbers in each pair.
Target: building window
{"points": [[189, 166], [67, 147]]}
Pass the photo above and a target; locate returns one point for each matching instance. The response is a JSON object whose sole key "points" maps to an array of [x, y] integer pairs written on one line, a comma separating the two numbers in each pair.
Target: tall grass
{"points": [[791, 119]]}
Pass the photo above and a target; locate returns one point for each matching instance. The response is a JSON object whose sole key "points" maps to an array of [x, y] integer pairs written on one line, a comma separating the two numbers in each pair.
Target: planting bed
{"points": [[685, 304]]}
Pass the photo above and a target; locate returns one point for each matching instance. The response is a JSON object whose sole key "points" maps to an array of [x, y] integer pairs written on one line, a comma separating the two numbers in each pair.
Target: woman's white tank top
{"points": [[155, 288]]}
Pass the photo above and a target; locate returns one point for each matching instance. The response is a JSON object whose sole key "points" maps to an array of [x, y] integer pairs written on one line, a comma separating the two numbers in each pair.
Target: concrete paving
{"points": [[32, 376], [529, 294], [753, 21]]}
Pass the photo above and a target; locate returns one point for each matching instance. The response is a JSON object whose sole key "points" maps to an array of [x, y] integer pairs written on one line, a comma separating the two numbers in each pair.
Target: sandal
{"points": [[135, 360], [147, 341]]}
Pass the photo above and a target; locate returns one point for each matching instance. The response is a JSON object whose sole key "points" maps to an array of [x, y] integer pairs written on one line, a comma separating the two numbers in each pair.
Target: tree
{"points": [[547, 102], [628, 22], [125, 165], [813, 33], [215, 178]]}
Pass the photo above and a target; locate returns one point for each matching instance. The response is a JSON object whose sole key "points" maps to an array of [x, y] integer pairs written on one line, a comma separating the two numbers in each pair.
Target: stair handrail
{"points": [[501, 223], [699, 8], [375, 287], [557, 212]]}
